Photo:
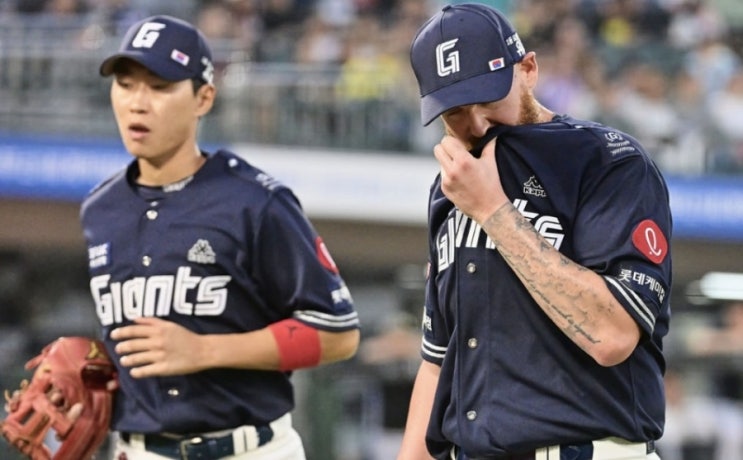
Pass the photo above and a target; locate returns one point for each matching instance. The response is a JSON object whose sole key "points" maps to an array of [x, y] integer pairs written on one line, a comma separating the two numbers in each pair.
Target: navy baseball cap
{"points": [[169, 47], [464, 55]]}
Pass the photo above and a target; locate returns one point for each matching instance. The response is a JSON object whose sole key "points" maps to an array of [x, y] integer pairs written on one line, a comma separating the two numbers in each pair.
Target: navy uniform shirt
{"points": [[510, 380], [228, 250]]}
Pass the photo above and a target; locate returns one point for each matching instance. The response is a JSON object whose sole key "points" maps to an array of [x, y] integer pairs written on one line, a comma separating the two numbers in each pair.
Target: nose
{"points": [[139, 99], [479, 123]]}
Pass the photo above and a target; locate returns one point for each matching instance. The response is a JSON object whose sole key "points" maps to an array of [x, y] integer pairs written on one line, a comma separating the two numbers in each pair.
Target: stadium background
{"points": [[319, 93]]}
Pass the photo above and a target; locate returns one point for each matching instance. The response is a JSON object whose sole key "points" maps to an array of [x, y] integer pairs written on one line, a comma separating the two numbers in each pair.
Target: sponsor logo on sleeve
{"points": [[99, 255], [650, 241], [324, 256]]}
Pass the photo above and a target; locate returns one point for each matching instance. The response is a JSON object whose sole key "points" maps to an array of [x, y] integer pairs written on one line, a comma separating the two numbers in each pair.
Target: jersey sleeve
{"points": [[435, 334], [435, 330], [296, 271], [623, 231]]}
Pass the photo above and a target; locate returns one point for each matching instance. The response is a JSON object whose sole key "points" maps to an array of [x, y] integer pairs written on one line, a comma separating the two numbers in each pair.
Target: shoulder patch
{"points": [[617, 144], [267, 181], [650, 241], [99, 255], [324, 256]]}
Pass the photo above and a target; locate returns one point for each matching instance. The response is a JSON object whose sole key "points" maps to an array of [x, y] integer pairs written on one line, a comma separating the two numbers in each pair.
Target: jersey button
{"points": [[173, 392], [152, 214], [472, 343], [471, 267], [471, 415], [146, 261]]}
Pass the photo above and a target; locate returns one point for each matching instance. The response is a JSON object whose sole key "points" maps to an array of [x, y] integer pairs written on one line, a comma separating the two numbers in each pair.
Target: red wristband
{"points": [[299, 344]]}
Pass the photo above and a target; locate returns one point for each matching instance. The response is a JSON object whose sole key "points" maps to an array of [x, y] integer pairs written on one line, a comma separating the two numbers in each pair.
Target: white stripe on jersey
{"points": [[634, 300], [432, 350], [327, 320]]}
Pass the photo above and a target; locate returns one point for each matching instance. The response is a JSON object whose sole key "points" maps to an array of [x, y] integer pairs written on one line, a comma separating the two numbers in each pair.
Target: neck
{"points": [[545, 115], [176, 168]]}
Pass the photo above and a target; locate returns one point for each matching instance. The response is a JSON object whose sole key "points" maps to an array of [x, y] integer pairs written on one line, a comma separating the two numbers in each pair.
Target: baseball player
{"points": [[210, 284], [548, 291]]}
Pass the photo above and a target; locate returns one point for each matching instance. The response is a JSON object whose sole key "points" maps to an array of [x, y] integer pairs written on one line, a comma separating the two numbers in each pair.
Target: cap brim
{"points": [[489, 87], [170, 71]]}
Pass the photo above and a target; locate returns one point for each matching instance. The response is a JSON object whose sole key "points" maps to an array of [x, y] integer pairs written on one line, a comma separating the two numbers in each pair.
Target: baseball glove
{"points": [[71, 392]]}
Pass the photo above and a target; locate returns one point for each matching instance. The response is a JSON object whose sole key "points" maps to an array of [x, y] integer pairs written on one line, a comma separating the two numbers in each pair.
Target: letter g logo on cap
{"points": [[447, 65], [147, 35]]}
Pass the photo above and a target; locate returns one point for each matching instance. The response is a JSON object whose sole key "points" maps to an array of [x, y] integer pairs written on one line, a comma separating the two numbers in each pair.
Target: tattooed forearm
{"points": [[542, 270]]}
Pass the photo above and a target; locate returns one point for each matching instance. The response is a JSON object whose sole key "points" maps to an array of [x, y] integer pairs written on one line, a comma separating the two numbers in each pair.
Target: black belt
{"points": [[567, 452], [196, 447]]}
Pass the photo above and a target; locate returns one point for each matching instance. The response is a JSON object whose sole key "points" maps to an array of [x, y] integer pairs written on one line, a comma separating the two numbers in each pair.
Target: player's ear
{"points": [[205, 99], [529, 68]]}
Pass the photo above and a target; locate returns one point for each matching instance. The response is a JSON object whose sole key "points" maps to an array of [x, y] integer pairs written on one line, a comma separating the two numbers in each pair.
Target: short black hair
{"points": [[197, 84], [121, 66]]}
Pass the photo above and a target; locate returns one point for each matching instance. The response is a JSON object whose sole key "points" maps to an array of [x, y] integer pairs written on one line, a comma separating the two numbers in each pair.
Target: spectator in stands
{"points": [[281, 22], [723, 339], [692, 22], [116, 16], [686, 98], [539, 19], [320, 42], [626, 24], [29, 6], [338, 13], [698, 426], [732, 13], [644, 106], [726, 114], [712, 62], [248, 25], [216, 21], [566, 68], [65, 7], [698, 46]]}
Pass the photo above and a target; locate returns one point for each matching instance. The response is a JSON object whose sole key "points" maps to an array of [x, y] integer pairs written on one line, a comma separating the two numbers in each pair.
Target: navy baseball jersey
{"points": [[511, 381], [227, 250]]}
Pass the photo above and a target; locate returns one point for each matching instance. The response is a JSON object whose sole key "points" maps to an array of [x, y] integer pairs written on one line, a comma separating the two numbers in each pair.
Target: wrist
{"points": [[495, 213]]}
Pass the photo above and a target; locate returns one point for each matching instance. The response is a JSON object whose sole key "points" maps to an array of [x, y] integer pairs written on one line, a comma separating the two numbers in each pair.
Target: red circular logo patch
{"points": [[324, 256], [650, 241]]}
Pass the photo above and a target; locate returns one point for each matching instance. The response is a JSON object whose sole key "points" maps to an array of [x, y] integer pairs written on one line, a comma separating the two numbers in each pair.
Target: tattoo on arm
{"points": [[533, 267]]}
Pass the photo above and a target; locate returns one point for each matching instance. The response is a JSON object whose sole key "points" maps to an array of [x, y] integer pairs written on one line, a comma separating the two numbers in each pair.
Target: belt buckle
{"points": [[184, 444]]}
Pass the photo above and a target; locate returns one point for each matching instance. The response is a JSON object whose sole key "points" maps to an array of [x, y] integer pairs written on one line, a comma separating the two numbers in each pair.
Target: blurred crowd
{"points": [[669, 72]]}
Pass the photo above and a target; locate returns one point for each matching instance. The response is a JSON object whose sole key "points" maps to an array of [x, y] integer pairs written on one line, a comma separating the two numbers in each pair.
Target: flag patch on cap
{"points": [[180, 57], [496, 64]]}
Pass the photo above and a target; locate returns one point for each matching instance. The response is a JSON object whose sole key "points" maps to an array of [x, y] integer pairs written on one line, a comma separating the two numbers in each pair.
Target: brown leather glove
{"points": [[71, 392]]}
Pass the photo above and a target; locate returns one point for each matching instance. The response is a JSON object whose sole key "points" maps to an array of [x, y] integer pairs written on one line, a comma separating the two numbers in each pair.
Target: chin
{"points": [[136, 148], [138, 152]]}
